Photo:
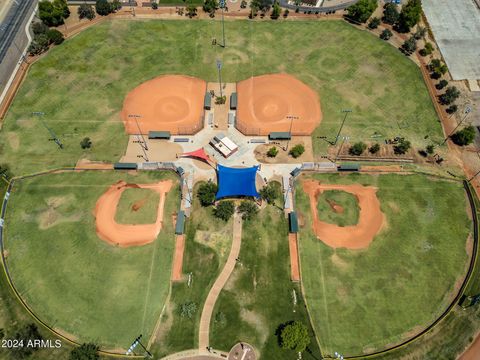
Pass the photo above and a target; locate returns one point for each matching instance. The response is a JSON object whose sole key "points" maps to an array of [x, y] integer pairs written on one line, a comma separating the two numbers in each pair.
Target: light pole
{"points": [[346, 111], [40, 115], [467, 111], [219, 67], [345, 138], [291, 117], [135, 116], [222, 6]]}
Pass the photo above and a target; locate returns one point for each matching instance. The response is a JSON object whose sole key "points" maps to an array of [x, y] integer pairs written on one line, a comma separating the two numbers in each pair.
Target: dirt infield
{"points": [[266, 102], [127, 235], [166, 103], [357, 236]]}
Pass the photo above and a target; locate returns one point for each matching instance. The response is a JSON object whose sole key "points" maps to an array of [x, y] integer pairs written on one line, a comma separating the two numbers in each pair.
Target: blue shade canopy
{"points": [[234, 182]]}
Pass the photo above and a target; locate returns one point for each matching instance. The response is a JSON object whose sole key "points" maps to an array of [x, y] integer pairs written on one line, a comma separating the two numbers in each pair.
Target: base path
{"points": [[204, 331], [178, 258], [122, 234], [357, 236]]}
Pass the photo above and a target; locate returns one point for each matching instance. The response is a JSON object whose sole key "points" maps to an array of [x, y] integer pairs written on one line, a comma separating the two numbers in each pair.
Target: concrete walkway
{"points": [[205, 320]]}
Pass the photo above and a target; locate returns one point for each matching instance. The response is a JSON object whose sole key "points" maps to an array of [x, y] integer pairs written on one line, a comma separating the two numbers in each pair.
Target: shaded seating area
{"points": [[236, 182]]}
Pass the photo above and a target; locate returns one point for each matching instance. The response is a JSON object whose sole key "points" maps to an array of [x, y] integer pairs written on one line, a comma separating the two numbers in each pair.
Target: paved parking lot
{"points": [[456, 27]]}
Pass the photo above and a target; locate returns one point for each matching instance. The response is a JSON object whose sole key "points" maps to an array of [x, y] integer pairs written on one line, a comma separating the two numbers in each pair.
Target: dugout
{"points": [[283, 135], [180, 224], [292, 222], [161, 135], [125, 166], [233, 101], [207, 101], [348, 167]]}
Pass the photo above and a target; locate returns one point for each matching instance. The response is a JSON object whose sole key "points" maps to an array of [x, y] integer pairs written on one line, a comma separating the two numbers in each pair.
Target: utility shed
{"points": [[207, 102], [159, 135], [292, 222], [125, 166], [233, 101], [348, 167], [284, 135], [180, 224]]}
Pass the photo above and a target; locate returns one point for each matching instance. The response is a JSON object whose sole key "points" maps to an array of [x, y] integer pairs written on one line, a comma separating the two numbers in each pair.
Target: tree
{"points": [[188, 309], [358, 148], [39, 28], [224, 210], [464, 137], [53, 13], [206, 193], [272, 152], [210, 6], [409, 16], [263, 5], [276, 11], [409, 46], [26, 333], [374, 148], [39, 44], [402, 147], [86, 11], [386, 34], [362, 10], [55, 37], [295, 336], [191, 11], [243, 4], [269, 193], [154, 5], [452, 109], [103, 7], [248, 209], [285, 13], [390, 13], [450, 95], [374, 22], [441, 84], [430, 149], [85, 352], [297, 150], [427, 50], [437, 68], [86, 143], [420, 33]]}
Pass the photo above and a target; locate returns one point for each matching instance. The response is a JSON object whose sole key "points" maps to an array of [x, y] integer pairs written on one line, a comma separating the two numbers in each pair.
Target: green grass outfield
{"points": [[258, 297], [137, 206], [70, 278], [363, 301], [81, 85], [348, 202]]}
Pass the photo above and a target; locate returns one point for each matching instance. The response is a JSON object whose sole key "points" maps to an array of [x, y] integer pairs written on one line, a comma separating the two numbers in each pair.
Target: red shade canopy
{"points": [[199, 154]]}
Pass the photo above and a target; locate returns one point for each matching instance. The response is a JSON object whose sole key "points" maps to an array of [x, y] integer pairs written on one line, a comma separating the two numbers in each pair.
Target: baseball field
{"points": [[363, 300], [80, 86], [77, 283]]}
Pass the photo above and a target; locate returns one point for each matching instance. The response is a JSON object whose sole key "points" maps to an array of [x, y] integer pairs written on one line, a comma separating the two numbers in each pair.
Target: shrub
{"points": [[39, 28], [86, 11], [154, 6], [103, 7], [386, 34], [243, 4], [248, 209], [26, 333], [224, 210], [374, 22], [357, 148], [191, 11], [295, 336], [209, 6], [272, 152], [220, 319], [402, 147], [286, 12], [409, 46], [441, 84], [437, 68], [206, 193], [55, 36], [276, 11], [374, 148], [219, 100], [450, 95], [430, 149], [85, 352], [188, 309], [297, 150], [464, 137], [39, 44], [452, 109], [86, 143]]}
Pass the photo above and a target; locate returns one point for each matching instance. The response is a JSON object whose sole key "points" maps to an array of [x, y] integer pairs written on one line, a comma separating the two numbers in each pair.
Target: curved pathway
{"points": [[203, 339]]}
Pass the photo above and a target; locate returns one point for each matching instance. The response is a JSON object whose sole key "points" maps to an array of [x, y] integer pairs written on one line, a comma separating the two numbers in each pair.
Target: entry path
{"points": [[203, 340]]}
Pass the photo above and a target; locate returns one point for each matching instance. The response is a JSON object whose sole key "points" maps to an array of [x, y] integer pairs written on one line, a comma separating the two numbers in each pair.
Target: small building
{"points": [[180, 224], [162, 135], [295, 171], [348, 167], [125, 166], [292, 222], [284, 135], [233, 101], [207, 102], [224, 145]]}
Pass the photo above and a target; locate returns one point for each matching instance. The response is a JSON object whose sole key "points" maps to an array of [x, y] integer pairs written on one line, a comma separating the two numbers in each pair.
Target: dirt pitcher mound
{"points": [[122, 234], [269, 103], [357, 236], [167, 103]]}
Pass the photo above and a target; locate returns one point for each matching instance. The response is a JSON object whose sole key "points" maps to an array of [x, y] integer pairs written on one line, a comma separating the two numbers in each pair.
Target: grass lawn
{"points": [[137, 206], [346, 207], [258, 297], [81, 85], [362, 301], [207, 246], [71, 279]]}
